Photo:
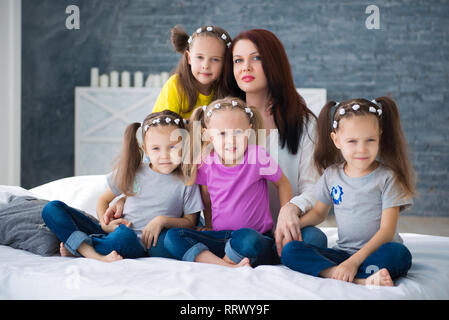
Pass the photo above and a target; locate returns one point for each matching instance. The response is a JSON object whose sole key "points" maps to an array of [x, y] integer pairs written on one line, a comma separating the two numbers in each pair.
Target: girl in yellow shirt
{"points": [[198, 78]]}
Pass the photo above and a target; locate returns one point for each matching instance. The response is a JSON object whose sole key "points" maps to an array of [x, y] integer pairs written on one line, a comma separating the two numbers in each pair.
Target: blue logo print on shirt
{"points": [[336, 193]]}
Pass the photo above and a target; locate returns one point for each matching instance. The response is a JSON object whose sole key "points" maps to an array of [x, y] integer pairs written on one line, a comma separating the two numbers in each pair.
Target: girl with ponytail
{"points": [[157, 198], [198, 78], [233, 172], [368, 178]]}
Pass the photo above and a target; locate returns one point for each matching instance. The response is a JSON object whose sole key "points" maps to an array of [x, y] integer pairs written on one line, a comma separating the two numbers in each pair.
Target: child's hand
{"points": [[151, 232], [204, 228], [114, 211], [112, 225], [345, 271]]}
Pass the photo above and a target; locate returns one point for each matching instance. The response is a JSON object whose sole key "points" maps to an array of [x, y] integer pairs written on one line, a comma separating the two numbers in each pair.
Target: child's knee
{"points": [[314, 236], [396, 251], [53, 210], [124, 233], [171, 237], [246, 241], [291, 251]]}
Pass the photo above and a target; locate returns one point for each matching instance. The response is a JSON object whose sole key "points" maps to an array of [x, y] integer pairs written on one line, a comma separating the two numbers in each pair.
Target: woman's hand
{"points": [[115, 211], [151, 232], [288, 226]]}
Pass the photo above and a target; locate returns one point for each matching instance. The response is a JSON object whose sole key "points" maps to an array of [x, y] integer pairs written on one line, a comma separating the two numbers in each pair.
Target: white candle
{"points": [[138, 79], [94, 77], [157, 81], [125, 79], [104, 81], [114, 79], [149, 81], [164, 77]]}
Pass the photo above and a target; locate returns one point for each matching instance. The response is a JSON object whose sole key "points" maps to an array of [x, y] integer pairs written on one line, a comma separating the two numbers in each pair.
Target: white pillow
{"points": [[80, 192]]}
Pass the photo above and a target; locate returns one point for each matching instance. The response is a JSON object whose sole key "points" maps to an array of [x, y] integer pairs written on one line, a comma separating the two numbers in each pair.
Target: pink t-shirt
{"points": [[239, 194]]}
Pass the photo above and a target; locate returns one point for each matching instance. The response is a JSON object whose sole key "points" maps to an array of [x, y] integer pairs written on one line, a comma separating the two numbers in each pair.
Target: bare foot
{"points": [[380, 278], [111, 257], [243, 263], [64, 252]]}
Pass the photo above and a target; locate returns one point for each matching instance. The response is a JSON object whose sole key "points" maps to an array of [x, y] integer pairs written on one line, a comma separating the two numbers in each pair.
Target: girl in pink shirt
{"points": [[233, 174]]}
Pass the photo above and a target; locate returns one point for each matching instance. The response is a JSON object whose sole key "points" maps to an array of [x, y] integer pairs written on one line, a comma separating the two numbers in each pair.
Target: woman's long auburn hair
{"points": [[289, 110], [393, 149]]}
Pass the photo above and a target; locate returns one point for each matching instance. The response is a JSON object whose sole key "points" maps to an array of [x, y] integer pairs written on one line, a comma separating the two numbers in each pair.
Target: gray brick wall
{"points": [[327, 43]]}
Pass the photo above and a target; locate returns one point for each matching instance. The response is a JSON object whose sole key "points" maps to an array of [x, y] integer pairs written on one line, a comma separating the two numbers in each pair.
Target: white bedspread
{"points": [[27, 276], [24, 275]]}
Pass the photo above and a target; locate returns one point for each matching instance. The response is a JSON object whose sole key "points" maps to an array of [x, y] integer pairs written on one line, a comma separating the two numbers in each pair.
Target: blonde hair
{"points": [[202, 116], [130, 158]]}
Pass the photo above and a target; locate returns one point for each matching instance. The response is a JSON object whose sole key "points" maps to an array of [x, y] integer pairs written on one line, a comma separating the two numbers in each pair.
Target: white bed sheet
{"points": [[24, 275]]}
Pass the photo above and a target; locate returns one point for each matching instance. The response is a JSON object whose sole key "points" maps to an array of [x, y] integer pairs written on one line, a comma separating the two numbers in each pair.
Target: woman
{"points": [[260, 74]]}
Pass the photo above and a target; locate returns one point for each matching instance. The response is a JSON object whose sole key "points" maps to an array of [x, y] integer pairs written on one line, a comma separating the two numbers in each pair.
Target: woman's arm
{"points": [[289, 224], [308, 174]]}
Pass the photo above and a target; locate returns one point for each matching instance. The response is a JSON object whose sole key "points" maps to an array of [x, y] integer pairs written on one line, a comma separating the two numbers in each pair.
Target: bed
{"points": [[24, 275]]}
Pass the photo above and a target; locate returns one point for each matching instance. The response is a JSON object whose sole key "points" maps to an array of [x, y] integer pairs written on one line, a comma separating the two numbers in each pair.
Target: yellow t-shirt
{"points": [[171, 99]]}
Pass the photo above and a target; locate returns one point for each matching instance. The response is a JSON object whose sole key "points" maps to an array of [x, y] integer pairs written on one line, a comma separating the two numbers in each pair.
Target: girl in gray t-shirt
{"points": [[158, 199], [368, 179]]}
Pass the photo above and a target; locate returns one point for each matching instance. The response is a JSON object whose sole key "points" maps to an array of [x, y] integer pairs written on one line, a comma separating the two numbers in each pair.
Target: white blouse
{"points": [[299, 168]]}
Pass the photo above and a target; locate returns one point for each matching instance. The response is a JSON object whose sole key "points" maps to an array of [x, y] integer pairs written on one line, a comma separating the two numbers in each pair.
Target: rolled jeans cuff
{"points": [[75, 240], [191, 254], [233, 255]]}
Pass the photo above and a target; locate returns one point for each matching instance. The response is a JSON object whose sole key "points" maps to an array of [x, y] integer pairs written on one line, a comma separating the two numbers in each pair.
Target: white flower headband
{"points": [[218, 106], [223, 36], [157, 121], [354, 107]]}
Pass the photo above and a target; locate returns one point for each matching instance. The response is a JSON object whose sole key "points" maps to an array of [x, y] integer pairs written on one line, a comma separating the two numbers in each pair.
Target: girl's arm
{"points": [[385, 234], [316, 215], [284, 190], [102, 205], [152, 230], [207, 207]]}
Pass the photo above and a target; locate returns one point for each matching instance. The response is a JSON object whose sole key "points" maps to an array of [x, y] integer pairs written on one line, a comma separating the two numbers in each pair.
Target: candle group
{"points": [[112, 80]]}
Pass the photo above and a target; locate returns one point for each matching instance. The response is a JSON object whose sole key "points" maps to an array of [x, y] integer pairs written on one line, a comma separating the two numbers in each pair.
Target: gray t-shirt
{"points": [[157, 194], [358, 203]]}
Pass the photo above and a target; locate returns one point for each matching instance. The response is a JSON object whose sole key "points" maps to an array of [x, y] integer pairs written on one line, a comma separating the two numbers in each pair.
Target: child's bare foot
{"points": [[64, 252], [111, 257], [380, 278], [243, 263]]}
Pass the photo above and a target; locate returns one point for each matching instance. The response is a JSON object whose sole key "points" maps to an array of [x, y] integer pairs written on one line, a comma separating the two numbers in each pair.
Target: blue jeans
{"points": [[186, 244], [309, 259], [73, 227]]}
